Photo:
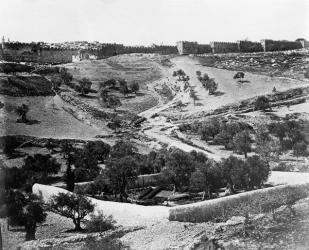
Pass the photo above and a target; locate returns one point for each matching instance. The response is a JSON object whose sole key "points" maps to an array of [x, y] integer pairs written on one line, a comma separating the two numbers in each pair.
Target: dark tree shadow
{"points": [[28, 122], [243, 81], [219, 93], [88, 96]]}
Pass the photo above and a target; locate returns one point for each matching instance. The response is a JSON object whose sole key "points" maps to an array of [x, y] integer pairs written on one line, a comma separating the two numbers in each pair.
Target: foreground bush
{"points": [[100, 223], [264, 200]]}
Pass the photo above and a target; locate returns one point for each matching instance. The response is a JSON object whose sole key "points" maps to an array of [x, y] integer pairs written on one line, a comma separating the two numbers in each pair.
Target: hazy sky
{"points": [[153, 21]]}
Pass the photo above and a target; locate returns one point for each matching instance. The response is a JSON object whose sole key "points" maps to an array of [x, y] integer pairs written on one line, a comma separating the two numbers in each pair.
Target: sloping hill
{"points": [[25, 85]]}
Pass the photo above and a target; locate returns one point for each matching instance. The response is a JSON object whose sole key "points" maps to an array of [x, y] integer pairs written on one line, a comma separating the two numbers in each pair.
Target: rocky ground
{"points": [[263, 232], [292, 64]]}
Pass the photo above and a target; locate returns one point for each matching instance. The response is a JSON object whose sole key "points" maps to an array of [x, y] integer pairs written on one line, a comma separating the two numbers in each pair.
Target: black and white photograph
{"points": [[154, 125]]}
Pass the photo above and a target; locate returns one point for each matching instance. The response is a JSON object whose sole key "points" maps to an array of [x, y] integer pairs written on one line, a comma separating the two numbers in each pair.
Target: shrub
{"points": [[262, 103], [22, 112], [84, 86], [306, 75], [100, 223], [134, 87]]}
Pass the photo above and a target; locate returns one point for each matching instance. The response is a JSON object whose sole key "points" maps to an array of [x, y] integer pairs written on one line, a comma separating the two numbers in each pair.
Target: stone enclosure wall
{"points": [[186, 47]]}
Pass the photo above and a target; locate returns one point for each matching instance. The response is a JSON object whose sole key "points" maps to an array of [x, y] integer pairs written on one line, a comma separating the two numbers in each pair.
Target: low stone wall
{"points": [[226, 206]]}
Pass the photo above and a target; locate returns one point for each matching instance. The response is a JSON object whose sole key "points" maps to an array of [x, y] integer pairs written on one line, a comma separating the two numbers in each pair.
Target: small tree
{"points": [[22, 112], [198, 73], [115, 123], [212, 86], [258, 171], [84, 86], [267, 147], [134, 87], [178, 168], [73, 206], [262, 103], [120, 171], [242, 142], [70, 179], [234, 173], [113, 102], [25, 211], [123, 87], [300, 149], [66, 76], [193, 95], [104, 94]]}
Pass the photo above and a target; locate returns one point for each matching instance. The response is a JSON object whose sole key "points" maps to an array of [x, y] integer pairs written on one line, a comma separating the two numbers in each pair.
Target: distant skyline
{"points": [[144, 22]]}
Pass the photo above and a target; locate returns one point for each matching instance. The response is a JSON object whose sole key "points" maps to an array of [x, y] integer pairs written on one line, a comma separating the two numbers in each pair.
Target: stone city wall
{"points": [[224, 47], [186, 48], [272, 45], [204, 49], [248, 46], [34, 52]]}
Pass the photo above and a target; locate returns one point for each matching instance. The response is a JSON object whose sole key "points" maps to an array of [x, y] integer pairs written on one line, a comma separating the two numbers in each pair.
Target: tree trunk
{"points": [[77, 225], [30, 232], [246, 154]]}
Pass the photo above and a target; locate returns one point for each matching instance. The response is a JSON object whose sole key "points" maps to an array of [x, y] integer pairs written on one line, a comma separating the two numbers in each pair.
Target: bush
{"points": [[306, 75], [282, 166], [262, 103], [100, 223]]}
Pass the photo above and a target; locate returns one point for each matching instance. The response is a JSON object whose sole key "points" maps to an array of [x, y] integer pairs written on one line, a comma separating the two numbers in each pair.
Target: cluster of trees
{"points": [[36, 169], [290, 136], [181, 75], [233, 135], [187, 171], [207, 82], [194, 171], [113, 101], [85, 161], [270, 139]]}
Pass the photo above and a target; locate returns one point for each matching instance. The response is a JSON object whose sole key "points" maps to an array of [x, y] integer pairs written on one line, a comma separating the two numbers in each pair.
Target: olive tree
{"points": [[72, 206]]}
